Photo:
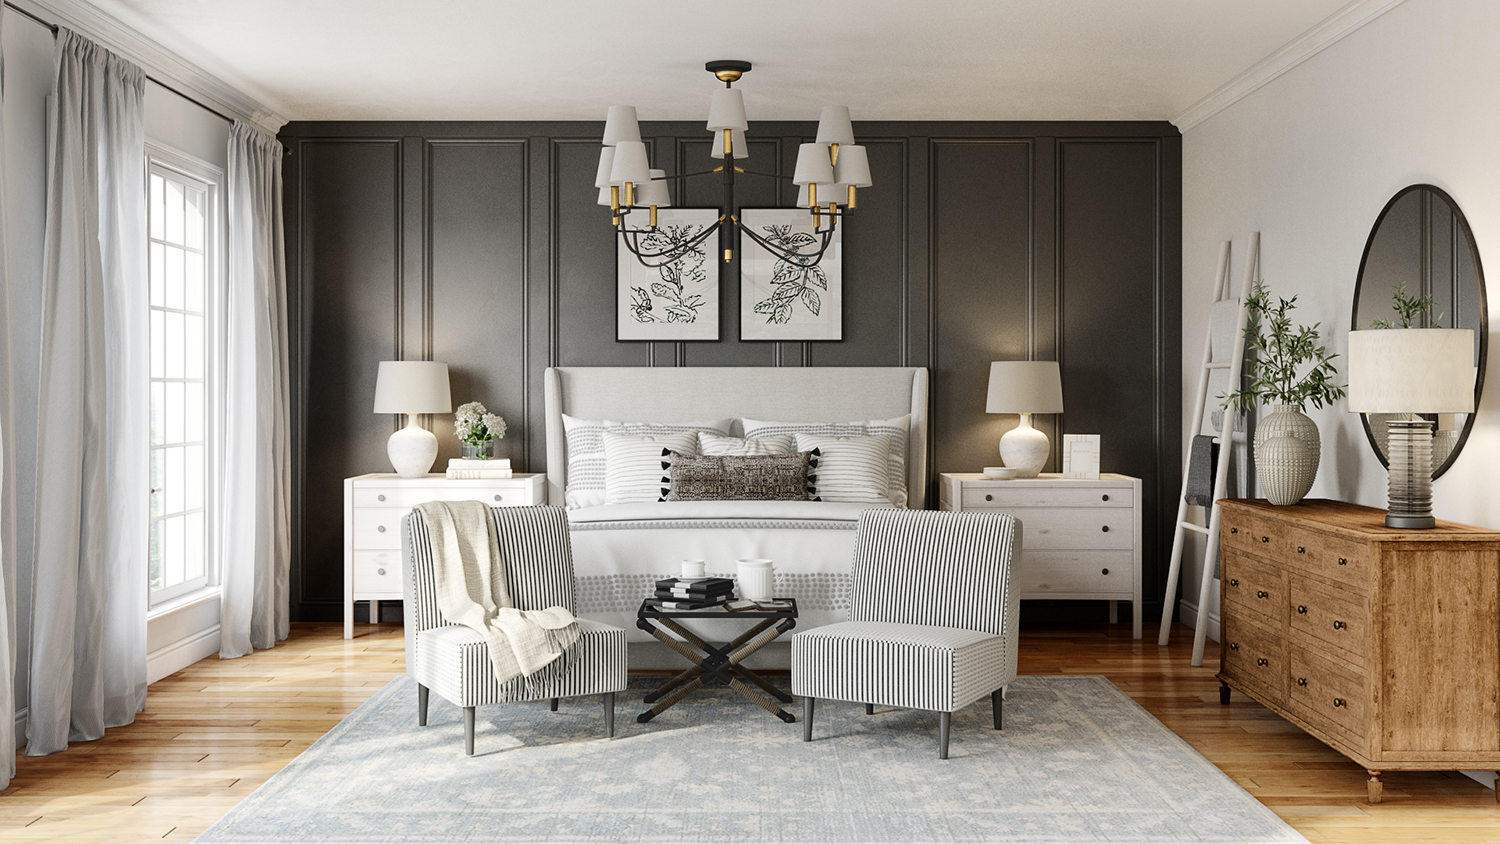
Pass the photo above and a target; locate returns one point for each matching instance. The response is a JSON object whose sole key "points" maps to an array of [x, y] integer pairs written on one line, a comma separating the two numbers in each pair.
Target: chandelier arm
{"points": [[767, 175], [632, 237], [786, 254]]}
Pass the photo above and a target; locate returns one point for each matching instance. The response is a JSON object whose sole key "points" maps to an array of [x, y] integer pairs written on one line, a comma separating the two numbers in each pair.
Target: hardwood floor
{"points": [[215, 731]]}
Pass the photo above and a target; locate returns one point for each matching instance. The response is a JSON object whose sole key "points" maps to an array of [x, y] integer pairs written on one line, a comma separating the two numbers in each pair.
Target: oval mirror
{"points": [[1421, 248]]}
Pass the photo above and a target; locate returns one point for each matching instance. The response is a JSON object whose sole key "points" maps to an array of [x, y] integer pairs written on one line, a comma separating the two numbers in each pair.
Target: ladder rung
{"points": [[1190, 526], [1217, 364]]}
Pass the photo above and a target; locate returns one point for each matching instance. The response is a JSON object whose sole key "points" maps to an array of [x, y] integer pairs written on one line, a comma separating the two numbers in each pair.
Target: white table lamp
{"points": [[412, 387], [1025, 387], [1411, 371]]}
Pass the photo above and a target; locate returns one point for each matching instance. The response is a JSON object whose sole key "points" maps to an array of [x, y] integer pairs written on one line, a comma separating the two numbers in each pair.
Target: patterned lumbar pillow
{"points": [[585, 439], [850, 469], [636, 466], [760, 477], [894, 429], [716, 446]]}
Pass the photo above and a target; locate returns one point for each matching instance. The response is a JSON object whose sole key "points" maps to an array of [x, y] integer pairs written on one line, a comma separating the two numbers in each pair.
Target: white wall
{"points": [[1309, 160]]}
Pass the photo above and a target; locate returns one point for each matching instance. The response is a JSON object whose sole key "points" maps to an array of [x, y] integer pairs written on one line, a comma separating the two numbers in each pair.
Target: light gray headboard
{"points": [[695, 393]]}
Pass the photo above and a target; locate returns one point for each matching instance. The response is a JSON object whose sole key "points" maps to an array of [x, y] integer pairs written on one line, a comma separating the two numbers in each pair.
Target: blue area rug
{"points": [[1078, 761]]}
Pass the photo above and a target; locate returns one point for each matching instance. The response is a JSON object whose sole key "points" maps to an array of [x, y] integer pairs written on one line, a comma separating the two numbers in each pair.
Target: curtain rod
{"points": [[53, 27]]}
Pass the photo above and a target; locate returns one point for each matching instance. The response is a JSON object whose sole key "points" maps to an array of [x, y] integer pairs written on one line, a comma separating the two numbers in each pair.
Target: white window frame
{"points": [[165, 161]]}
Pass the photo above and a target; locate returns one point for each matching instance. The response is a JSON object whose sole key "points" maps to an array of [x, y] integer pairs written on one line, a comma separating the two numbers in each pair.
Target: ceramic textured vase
{"points": [[1287, 449]]}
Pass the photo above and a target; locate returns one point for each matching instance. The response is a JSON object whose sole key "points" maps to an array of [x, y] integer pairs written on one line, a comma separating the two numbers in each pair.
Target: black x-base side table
{"points": [[715, 663]]}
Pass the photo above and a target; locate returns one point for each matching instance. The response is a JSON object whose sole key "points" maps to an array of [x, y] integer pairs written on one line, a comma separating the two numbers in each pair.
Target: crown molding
{"points": [[1310, 43], [159, 62]]}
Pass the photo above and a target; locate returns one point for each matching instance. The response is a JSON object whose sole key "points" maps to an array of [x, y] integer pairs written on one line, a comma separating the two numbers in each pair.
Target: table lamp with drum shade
{"points": [[412, 387], [1025, 387]]}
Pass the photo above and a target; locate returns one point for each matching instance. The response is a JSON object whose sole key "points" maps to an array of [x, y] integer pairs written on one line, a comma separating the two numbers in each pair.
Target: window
{"points": [[182, 207]]}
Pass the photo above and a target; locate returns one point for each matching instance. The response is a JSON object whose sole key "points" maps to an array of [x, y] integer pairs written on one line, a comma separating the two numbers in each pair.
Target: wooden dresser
{"points": [[1384, 644]]}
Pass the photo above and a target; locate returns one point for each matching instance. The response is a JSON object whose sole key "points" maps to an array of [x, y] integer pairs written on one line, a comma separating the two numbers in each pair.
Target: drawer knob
{"points": [[989, 498], [1261, 661], [1301, 550], [1105, 528], [1234, 646], [1339, 625], [497, 498], [1105, 498], [1234, 530], [1302, 609], [1234, 581], [1106, 571], [1338, 701], [1261, 593], [380, 528], [1343, 561], [1301, 681], [380, 497], [1265, 539], [380, 571]]}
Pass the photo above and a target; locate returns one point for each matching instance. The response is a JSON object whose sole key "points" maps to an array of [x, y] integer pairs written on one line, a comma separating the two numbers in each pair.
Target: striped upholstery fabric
{"points": [[933, 618], [454, 661]]}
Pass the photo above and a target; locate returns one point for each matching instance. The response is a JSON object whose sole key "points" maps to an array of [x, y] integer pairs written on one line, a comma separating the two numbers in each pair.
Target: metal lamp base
{"points": [[1410, 489]]}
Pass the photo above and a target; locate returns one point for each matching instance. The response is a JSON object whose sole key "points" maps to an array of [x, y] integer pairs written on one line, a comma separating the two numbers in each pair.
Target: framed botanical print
{"points": [[790, 298], [678, 300]]}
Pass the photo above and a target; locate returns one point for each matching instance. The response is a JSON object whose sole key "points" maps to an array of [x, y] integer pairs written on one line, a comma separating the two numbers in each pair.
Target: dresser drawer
{"points": [[1328, 694], [1254, 654], [409, 497], [1329, 557], [1256, 587], [988, 497], [1086, 528], [1322, 613], [377, 573], [1246, 535], [1066, 572], [378, 528]]}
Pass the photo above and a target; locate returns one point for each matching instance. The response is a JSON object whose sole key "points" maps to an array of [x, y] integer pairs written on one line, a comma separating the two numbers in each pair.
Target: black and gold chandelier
{"points": [[627, 184]]}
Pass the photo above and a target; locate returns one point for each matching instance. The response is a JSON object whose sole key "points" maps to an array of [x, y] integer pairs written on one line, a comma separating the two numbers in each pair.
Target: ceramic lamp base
{"points": [[1025, 449], [412, 449]]}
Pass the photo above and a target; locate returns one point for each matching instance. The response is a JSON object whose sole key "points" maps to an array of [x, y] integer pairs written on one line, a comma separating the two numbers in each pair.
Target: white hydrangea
{"points": [[472, 423]]}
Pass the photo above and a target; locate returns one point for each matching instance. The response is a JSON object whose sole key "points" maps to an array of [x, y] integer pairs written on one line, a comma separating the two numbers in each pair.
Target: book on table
{"points": [[679, 605], [761, 606], [476, 463], [696, 584]]}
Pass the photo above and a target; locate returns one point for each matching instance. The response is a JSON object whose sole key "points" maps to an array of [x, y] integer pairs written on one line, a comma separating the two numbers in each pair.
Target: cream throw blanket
{"points": [[471, 590]]}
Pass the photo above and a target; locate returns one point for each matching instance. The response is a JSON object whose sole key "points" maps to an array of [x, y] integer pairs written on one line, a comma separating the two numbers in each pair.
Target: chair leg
{"points": [[997, 702], [421, 705], [807, 713], [554, 704], [869, 709], [468, 731], [945, 725], [609, 714]]}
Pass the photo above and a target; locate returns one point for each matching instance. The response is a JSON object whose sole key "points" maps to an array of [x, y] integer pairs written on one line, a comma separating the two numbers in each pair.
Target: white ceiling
{"points": [[569, 59]]}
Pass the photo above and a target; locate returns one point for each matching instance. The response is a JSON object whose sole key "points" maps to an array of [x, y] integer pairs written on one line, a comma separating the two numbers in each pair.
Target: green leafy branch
{"points": [[1410, 310], [1281, 352]]}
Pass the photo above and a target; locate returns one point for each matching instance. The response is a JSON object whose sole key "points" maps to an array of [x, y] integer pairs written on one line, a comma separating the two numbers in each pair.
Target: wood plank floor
{"points": [[215, 731]]}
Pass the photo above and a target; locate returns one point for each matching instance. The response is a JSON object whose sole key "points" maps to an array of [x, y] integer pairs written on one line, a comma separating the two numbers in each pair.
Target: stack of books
{"points": [[460, 469], [697, 593]]}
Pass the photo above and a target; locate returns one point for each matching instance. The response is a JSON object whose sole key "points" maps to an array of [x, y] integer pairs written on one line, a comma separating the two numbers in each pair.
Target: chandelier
{"points": [[627, 184]]}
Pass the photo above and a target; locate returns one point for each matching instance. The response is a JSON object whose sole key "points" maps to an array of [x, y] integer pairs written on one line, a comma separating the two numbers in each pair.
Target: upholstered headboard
{"points": [[694, 393]]}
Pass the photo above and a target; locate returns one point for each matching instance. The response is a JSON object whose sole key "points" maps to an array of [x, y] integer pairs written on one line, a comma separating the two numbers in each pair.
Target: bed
{"points": [[620, 549]]}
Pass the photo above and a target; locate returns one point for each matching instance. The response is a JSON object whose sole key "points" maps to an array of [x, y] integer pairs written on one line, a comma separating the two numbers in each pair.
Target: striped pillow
{"points": [[585, 439], [713, 445], [850, 469], [635, 468], [896, 429]]}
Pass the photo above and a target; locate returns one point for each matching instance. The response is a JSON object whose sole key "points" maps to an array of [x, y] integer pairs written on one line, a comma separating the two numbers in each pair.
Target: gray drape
{"points": [[89, 593], [257, 490], [7, 489]]}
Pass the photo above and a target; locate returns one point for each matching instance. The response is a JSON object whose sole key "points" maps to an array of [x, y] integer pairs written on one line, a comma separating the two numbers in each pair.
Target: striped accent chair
{"points": [[933, 618], [454, 661]]}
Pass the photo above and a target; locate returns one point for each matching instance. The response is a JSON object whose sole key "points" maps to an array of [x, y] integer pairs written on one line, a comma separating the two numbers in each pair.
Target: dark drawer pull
{"points": [[1105, 528], [1302, 609], [1301, 681], [1234, 530], [1343, 561], [1261, 593], [1104, 498], [1261, 661], [1339, 625], [1265, 539], [1301, 550], [1338, 701], [1234, 646], [989, 498], [1234, 581], [1106, 571]]}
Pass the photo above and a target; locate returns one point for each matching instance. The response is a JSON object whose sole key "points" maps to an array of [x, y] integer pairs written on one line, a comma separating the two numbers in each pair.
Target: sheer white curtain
{"points": [[257, 504], [89, 593], [7, 488]]}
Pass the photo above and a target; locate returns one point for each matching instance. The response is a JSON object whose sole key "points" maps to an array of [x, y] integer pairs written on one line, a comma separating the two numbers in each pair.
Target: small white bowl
{"points": [[999, 473]]}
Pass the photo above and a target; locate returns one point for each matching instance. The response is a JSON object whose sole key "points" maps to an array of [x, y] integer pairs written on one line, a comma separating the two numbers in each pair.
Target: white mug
{"points": [[756, 578], [693, 568]]}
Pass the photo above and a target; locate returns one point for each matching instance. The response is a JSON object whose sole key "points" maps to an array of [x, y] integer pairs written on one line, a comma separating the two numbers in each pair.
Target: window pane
{"points": [[194, 477], [158, 345], [157, 470], [194, 567], [195, 418], [173, 480], [174, 212], [158, 276], [195, 218], [175, 333], [157, 581], [175, 416], [158, 414], [175, 294], [158, 229], [194, 280], [193, 353], [173, 552]]}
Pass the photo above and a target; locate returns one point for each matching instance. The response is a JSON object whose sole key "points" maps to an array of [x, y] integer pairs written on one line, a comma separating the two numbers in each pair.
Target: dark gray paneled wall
{"points": [[480, 244]]}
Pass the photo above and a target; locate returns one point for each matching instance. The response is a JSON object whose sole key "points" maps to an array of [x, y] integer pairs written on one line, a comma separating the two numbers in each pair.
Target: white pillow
{"points": [[713, 445], [633, 470], [896, 429], [850, 469], [585, 440]]}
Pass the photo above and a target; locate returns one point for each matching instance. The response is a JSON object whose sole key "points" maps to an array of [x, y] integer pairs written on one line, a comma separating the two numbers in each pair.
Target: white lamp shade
{"points": [[412, 386], [826, 194], [653, 192], [621, 126], [630, 164], [606, 164], [853, 167], [1024, 386], [813, 165], [834, 127], [1411, 370], [727, 111], [737, 140], [605, 198]]}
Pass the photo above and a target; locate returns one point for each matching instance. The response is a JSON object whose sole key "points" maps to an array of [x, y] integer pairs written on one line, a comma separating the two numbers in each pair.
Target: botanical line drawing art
{"points": [[793, 280], [677, 279]]}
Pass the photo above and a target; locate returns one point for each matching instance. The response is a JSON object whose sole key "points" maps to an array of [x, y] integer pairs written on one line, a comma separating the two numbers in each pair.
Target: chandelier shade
{"points": [[621, 125], [813, 165], [727, 111], [737, 141], [606, 165], [630, 164], [853, 167], [653, 192], [825, 193], [834, 126]]}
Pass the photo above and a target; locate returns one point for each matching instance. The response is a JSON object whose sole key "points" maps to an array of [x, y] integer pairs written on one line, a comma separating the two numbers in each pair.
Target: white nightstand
{"points": [[1080, 539], [373, 508]]}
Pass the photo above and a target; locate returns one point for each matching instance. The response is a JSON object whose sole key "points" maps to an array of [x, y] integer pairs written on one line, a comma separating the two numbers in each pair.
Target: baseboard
{"points": [[173, 658], [1187, 613]]}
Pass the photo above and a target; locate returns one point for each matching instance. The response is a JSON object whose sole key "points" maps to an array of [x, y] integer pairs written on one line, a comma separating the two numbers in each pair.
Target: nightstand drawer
{"points": [[519, 495], [378, 573], [1070, 572], [1085, 528], [977, 497], [378, 528]]}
